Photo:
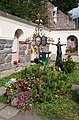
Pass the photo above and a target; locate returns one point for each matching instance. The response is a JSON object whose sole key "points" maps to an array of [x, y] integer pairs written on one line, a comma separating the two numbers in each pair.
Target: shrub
{"points": [[68, 65]]}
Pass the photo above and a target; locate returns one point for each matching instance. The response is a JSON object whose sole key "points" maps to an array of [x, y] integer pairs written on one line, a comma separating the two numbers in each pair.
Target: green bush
{"points": [[68, 65]]}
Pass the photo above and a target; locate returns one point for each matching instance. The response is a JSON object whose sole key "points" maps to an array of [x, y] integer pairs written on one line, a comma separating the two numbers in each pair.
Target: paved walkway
{"points": [[11, 113], [14, 69]]}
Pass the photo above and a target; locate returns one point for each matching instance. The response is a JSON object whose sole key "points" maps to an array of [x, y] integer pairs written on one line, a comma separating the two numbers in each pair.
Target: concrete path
{"points": [[14, 69], [25, 116], [7, 112], [1, 91], [11, 113]]}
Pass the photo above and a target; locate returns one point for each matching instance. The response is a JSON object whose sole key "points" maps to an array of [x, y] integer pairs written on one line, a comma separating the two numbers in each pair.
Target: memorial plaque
{"points": [[44, 40], [38, 40]]}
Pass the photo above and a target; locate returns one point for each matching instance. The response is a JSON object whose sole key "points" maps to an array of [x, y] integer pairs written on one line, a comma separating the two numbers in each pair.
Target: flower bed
{"points": [[36, 85]]}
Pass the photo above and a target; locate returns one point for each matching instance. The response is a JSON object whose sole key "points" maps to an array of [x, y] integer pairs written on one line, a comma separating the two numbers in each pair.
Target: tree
{"points": [[37, 6], [65, 5], [27, 9], [13, 7]]}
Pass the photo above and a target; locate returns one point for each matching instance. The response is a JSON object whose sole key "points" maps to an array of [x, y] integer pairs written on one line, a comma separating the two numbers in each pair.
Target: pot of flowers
{"points": [[70, 50]]}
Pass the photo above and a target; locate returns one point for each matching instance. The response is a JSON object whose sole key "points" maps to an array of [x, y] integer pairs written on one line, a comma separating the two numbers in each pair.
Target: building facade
{"points": [[16, 36], [59, 20], [74, 13], [13, 34]]}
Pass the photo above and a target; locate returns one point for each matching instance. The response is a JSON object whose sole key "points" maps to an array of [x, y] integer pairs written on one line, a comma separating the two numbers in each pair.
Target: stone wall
{"points": [[5, 54], [59, 20], [24, 52]]}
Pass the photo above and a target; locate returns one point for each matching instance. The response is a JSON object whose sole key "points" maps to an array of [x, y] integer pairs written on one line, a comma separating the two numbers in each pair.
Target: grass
{"points": [[65, 109], [6, 79], [61, 108]]}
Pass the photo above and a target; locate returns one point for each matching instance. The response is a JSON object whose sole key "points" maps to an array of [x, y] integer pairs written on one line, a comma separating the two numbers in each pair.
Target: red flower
{"points": [[15, 84], [40, 73]]}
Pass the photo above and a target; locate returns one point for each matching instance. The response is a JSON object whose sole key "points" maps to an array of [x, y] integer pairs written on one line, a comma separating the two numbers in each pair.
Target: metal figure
{"points": [[59, 53]]}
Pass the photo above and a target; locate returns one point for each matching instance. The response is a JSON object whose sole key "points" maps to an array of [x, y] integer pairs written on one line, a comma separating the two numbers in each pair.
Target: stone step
{"points": [[2, 90], [8, 112], [2, 105]]}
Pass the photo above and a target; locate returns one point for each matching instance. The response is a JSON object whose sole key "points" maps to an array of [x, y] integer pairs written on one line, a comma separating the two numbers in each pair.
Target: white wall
{"points": [[9, 26], [63, 35]]}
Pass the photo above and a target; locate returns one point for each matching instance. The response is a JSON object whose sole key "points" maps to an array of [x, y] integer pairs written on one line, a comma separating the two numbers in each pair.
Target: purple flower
{"points": [[16, 95], [21, 104], [25, 97], [21, 98], [17, 99], [28, 93], [26, 106], [31, 106], [35, 82], [16, 91]]}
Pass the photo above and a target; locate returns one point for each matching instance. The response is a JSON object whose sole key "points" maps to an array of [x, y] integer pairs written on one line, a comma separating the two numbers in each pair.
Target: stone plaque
{"points": [[44, 40]]}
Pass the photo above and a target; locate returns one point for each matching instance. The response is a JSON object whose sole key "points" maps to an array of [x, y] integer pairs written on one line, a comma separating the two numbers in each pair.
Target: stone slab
{"points": [[75, 87], [26, 116], [8, 112], [2, 105], [1, 91], [1, 119]]}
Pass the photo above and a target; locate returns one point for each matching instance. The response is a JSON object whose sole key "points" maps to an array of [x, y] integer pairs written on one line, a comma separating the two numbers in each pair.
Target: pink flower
{"points": [[37, 79], [8, 93], [17, 99], [21, 104], [21, 98], [28, 93], [16, 95], [31, 106], [26, 106], [16, 91], [35, 82], [25, 97], [36, 95]]}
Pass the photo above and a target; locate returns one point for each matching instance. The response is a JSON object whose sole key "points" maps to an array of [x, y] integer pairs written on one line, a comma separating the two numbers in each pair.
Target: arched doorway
{"points": [[15, 48], [72, 45]]}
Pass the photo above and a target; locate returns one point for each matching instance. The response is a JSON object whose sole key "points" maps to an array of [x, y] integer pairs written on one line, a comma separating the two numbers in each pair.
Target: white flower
{"points": [[11, 81]]}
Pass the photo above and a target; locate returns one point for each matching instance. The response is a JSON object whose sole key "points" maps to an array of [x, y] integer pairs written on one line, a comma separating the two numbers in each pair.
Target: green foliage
{"points": [[70, 49], [49, 90], [68, 65], [43, 84], [60, 109], [26, 9]]}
